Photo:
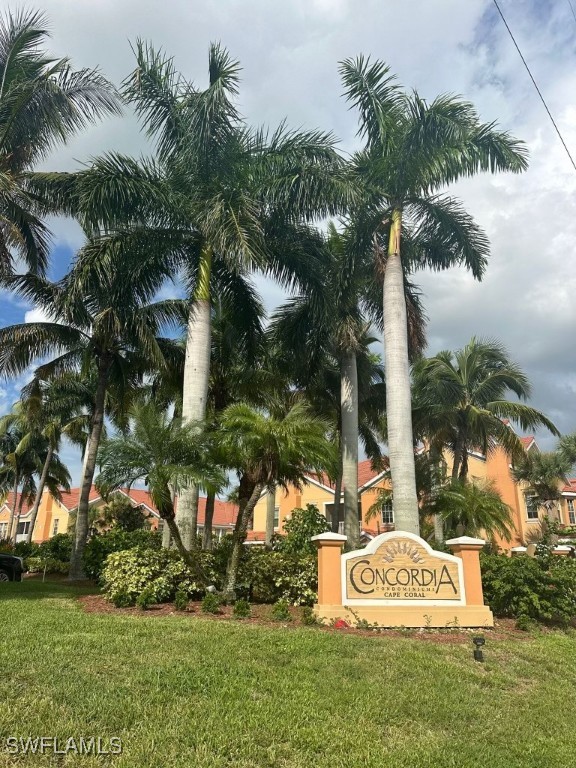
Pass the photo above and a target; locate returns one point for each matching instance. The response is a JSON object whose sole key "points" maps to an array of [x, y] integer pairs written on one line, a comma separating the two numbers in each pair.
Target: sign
{"points": [[400, 568]]}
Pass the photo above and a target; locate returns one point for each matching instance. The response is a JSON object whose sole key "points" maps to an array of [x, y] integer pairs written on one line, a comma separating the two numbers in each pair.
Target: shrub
{"points": [[25, 549], [59, 547], [163, 571], [524, 623], [146, 599], [281, 611], [241, 609], [181, 600], [115, 540], [299, 529], [210, 603], [47, 564], [273, 576], [122, 600], [541, 590], [307, 616]]}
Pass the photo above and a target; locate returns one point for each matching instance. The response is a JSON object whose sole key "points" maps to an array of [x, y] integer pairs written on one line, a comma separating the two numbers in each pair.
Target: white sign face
{"points": [[400, 568]]}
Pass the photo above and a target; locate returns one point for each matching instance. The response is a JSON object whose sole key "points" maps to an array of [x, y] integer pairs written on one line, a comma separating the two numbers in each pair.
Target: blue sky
{"points": [[289, 52]]}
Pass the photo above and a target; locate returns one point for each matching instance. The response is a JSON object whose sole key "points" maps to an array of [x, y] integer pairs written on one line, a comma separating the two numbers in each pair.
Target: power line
{"points": [[572, 9], [535, 84]]}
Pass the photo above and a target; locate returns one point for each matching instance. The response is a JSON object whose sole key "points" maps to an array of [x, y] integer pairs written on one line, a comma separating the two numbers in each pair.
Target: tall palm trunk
{"points": [[195, 392], [76, 564], [39, 492], [248, 498], [208, 521], [398, 395], [435, 461], [349, 416], [270, 511], [12, 534], [335, 522]]}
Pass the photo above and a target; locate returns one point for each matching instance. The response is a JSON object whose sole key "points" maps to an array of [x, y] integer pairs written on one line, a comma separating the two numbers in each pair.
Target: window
{"points": [[22, 529], [55, 527], [160, 526], [276, 517], [3, 530], [571, 512], [531, 506], [387, 513]]}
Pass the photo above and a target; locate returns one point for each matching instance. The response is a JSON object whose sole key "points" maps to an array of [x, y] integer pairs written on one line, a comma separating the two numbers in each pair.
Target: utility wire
{"points": [[572, 9], [535, 84]]}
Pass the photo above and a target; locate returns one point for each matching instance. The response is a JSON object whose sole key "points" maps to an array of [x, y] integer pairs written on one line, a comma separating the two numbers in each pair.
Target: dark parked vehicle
{"points": [[11, 567]]}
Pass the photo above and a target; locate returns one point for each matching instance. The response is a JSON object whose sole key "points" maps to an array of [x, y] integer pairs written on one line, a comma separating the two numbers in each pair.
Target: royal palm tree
{"points": [[167, 456], [461, 403], [265, 450], [334, 318], [413, 150], [97, 322], [219, 199], [43, 103]]}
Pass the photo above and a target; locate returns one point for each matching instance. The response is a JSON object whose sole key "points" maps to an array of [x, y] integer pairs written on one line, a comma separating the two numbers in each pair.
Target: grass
{"points": [[181, 691]]}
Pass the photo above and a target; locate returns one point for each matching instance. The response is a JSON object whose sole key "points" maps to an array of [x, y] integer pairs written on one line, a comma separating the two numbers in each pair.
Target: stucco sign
{"points": [[401, 569]]}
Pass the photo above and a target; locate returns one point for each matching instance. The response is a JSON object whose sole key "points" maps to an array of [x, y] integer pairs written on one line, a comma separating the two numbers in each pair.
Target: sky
{"points": [[290, 51]]}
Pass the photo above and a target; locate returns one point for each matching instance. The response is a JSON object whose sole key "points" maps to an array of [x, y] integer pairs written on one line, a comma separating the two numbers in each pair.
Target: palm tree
{"points": [[43, 103], [334, 318], [27, 454], [265, 450], [166, 455], [462, 406], [220, 199], [413, 149], [98, 322], [471, 509], [545, 472], [51, 410]]}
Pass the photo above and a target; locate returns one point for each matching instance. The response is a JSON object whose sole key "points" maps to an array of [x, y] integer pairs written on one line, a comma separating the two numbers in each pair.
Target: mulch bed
{"points": [[503, 629]]}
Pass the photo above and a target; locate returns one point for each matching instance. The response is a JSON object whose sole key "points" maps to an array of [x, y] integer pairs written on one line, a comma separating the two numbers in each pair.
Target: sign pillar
{"points": [[468, 550], [330, 547]]}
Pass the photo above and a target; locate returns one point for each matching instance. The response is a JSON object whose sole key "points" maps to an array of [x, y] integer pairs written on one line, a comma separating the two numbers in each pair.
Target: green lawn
{"points": [[193, 692]]}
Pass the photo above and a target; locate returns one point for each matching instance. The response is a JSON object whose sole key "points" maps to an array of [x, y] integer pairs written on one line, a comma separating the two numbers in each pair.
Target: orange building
{"points": [[54, 515]]}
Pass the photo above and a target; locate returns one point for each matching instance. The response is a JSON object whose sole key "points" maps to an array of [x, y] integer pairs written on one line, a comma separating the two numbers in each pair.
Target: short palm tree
{"points": [[414, 149], [264, 450], [544, 474], [97, 323], [43, 102], [461, 405], [27, 455], [471, 509], [166, 455]]}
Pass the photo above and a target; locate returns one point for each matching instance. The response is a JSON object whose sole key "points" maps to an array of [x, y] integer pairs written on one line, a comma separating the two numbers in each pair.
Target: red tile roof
{"points": [[365, 474], [570, 486], [9, 502], [528, 440]]}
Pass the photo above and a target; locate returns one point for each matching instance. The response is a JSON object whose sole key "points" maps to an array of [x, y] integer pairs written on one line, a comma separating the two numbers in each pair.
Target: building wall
{"points": [[311, 493]]}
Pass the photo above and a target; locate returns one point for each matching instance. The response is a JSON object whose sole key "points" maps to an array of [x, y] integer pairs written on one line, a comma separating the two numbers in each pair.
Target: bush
{"points": [[281, 611], [299, 529], [181, 600], [273, 576], [59, 547], [146, 599], [24, 549], [132, 571], [48, 564], [307, 616], [241, 609], [210, 603], [541, 590], [115, 540], [122, 600]]}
